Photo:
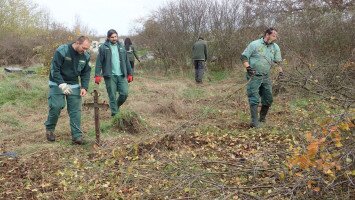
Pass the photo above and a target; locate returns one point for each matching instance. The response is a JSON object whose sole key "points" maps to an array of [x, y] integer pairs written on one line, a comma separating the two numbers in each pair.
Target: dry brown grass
{"points": [[195, 144]]}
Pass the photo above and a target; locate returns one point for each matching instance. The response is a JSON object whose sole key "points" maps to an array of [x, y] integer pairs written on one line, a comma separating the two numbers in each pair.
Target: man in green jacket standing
{"points": [[70, 61], [112, 63], [258, 58], [199, 57]]}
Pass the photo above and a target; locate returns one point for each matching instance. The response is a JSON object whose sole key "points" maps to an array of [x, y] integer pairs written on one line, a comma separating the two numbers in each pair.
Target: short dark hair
{"points": [[82, 38], [110, 32], [269, 31], [200, 37]]}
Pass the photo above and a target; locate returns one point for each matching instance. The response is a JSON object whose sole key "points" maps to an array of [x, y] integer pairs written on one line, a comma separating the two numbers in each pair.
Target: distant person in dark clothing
{"points": [[131, 53], [199, 57]]}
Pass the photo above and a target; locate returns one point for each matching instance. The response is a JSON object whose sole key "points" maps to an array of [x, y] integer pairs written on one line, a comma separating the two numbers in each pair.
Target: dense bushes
{"points": [[320, 31], [316, 37], [28, 35]]}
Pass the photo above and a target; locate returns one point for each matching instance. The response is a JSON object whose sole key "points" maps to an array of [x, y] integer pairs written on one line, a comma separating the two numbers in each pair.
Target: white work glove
{"points": [[65, 88]]}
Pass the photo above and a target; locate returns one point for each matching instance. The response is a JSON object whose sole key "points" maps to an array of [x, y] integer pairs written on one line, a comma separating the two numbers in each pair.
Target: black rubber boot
{"points": [[263, 113], [50, 136], [254, 116], [79, 141]]}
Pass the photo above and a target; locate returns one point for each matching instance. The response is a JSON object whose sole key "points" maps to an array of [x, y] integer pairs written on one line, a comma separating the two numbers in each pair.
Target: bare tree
{"points": [[316, 37]]}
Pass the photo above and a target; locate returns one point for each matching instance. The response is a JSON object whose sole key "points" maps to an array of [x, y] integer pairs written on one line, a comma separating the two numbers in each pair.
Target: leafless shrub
{"points": [[316, 37], [28, 35]]}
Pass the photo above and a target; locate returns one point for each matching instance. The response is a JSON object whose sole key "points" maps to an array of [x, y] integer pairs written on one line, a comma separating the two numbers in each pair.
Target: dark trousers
{"points": [[56, 102], [132, 65], [199, 70], [260, 87], [116, 84]]}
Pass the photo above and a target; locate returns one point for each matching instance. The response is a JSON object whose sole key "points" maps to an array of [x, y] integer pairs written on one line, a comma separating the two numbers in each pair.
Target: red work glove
{"points": [[129, 78], [97, 79]]}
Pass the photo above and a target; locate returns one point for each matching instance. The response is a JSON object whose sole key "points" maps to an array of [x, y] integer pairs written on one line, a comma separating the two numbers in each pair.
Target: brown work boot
{"points": [[50, 136], [79, 141]]}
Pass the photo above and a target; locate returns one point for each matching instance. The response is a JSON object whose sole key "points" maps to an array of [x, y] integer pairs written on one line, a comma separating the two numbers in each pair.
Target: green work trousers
{"points": [[260, 87], [116, 84], [56, 102]]}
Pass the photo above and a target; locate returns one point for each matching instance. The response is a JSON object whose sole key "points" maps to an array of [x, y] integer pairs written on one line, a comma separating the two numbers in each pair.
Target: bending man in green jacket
{"points": [[258, 58], [70, 61], [112, 63]]}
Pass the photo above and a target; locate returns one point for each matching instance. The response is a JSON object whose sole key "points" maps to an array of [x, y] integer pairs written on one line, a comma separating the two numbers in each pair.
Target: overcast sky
{"points": [[101, 15]]}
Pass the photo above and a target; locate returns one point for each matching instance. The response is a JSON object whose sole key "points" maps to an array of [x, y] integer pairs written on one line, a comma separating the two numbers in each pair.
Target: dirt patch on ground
{"points": [[171, 142], [238, 126], [170, 108], [23, 85]]}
